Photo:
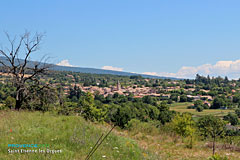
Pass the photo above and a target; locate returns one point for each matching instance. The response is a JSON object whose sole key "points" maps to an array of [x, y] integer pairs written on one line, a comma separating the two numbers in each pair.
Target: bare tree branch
{"points": [[19, 68]]}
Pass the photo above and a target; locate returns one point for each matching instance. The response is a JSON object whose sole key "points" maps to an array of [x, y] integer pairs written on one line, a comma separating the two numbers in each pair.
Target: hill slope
{"points": [[90, 70], [71, 134], [102, 71]]}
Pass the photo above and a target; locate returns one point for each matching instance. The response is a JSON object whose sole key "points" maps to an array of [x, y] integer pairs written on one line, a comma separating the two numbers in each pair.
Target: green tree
{"points": [[236, 99], [199, 109], [217, 103], [184, 125], [237, 111], [211, 127], [198, 103], [154, 112], [174, 97], [183, 98], [90, 111], [231, 118], [123, 115], [205, 106], [86, 104], [165, 114]]}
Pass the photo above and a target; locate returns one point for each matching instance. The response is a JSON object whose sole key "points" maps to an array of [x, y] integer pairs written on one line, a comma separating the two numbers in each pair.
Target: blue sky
{"points": [[170, 38]]}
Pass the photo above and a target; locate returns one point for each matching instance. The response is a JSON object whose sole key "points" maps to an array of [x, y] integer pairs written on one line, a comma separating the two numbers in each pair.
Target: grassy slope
{"points": [[169, 146], [73, 135], [172, 148]]}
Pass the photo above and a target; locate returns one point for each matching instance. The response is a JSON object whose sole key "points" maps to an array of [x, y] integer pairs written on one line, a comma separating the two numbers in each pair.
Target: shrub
{"points": [[199, 109], [237, 111], [10, 102], [190, 107], [67, 108], [3, 107], [231, 118], [132, 124], [184, 126], [205, 106], [136, 126], [217, 157]]}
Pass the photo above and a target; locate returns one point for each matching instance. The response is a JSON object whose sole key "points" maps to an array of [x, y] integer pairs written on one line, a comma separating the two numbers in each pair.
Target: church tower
{"points": [[118, 86]]}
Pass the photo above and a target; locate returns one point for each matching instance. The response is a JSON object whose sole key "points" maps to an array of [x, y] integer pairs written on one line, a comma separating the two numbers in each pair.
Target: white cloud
{"points": [[221, 68], [150, 73], [112, 68], [64, 63]]}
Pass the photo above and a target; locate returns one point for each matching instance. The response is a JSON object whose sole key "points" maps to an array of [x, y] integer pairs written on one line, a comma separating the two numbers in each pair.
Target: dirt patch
{"points": [[224, 146]]}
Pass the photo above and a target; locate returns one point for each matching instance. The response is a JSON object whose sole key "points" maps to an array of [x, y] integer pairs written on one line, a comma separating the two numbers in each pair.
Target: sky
{"points": [[177, 38]]}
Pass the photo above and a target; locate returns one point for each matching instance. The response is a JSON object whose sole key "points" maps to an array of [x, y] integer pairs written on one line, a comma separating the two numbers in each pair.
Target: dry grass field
{"points": [[182, 107]]}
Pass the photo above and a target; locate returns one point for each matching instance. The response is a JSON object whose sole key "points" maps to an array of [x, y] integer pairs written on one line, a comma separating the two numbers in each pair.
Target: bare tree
{"points": [[16, 63]]}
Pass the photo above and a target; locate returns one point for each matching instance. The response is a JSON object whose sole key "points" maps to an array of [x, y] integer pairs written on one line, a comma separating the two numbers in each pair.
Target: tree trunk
{"points": [[191, 142], [18, 104], [214, 145], [19, 98]]}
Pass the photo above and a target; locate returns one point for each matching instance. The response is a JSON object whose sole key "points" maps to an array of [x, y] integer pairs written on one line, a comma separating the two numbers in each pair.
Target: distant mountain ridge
{"points": [[93, 70], [103, 71]]}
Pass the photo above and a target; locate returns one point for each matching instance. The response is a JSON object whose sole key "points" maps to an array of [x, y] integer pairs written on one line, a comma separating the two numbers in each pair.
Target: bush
{"points": [[132, 124], [237, 111], [136, 126], [205, 106], [67, 109], [190, 107], [183, 125], [10, 102], [199, 109], [170, 101], [3, 107], [217, 157], [231, 118]]}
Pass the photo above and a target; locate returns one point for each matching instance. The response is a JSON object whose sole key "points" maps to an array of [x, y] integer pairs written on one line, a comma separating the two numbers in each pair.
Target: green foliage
{"points": [[3, 107], [69, 108], [10, 102], [237, 111], [198, 103], [136, 77], [199, 108], [183, 124], [211, 126], [166, 116], [231, 118], [40, 98], [218, 102], [153, 112], [217, 157], [124, 114], [236, 98], [174, 97], [72, 134], [133, 124], [183, 98], [205, 106], [75, 93], [149, 100], [136, 126], [89, 110]]}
